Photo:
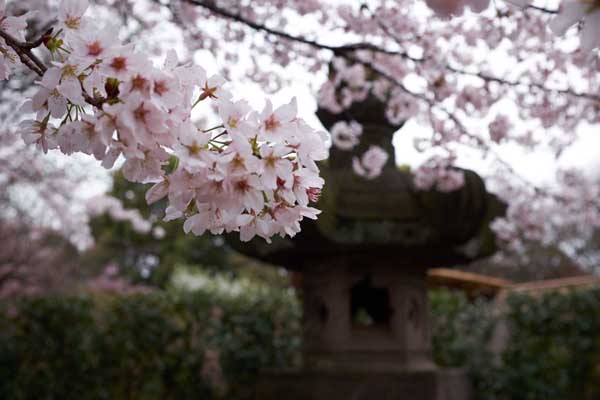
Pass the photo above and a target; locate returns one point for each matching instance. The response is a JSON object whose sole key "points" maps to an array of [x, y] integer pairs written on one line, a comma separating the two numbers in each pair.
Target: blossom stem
{"points": [[213, 128], [219, 142]]}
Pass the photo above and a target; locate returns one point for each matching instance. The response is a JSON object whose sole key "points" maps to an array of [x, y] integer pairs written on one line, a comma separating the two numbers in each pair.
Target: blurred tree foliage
{"points": [[152, 257]]}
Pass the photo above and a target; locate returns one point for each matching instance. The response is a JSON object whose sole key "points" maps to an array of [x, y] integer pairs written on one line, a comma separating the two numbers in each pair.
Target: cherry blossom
{"points": [[345, 136], [234, 116], [70, 15], [437, 173], [114, 208], [254, 173], [499, 128], [42, 133], [59, 85], [276, 125], [448, 8], [371, 163], [474, 82], [275, 165], [90, 45]]}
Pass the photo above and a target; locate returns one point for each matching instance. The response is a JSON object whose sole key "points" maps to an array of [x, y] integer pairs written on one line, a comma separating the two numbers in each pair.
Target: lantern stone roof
{"points": [[388, 216]]}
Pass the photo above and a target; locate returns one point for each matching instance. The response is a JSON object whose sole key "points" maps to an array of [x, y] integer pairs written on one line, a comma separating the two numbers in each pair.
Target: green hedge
{"points": [[210, 344], [553, 352], [146, 346], [461, 334]]}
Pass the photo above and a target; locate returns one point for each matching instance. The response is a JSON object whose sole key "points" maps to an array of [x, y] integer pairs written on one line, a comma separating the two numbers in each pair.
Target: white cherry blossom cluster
{"points": [[437, 173], [571, 12], [371, 162], [113, 207], [348, 85], [346, 135], [449, 8], [443, 74], [528, 219], [499, 128], [253, 173]]}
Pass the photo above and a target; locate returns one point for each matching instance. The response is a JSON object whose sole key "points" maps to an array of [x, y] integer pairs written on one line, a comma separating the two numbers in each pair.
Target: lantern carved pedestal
{"points": [[363, 266], [365, 337]]}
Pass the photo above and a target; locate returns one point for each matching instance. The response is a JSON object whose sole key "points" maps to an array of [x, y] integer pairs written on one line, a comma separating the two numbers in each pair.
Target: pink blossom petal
{"points": [[57, 105], [71, 89], [51, 78], [157, 192]]}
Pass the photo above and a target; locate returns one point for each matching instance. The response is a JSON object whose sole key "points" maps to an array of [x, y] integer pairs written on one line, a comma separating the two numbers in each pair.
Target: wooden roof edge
{"points": [[470, 277], [550, 284]]}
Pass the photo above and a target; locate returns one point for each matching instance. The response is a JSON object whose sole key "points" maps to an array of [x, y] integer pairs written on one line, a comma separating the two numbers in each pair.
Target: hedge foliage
{"points": [[553, 352], [211, 343], [461, 335], [200, 345]]}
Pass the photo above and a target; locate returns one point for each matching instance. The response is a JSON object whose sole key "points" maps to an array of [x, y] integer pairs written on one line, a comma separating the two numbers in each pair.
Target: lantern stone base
{"points": [[433, 384]]}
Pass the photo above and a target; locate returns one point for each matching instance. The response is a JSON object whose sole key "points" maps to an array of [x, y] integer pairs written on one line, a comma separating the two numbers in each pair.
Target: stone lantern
{"points": [[363, 267]]}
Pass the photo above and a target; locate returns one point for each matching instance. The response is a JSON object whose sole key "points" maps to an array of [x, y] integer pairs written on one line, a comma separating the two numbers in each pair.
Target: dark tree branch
{"points": [[489, 78], [39, 41], [345, 50], [542, 9], [539, 86], [24, 53], [23, 50], [348, 52], [340, 50]]}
